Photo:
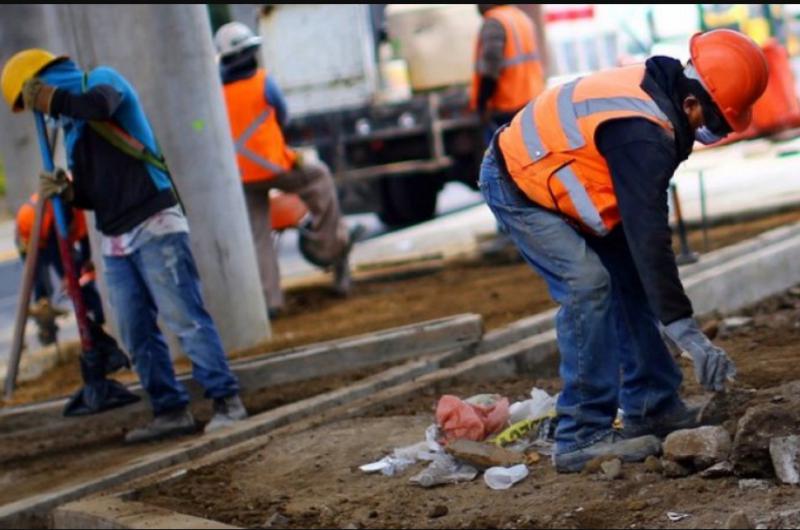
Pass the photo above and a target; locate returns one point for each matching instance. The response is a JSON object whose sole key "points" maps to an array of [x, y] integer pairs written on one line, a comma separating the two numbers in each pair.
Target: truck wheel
{"points": [[408, 200]]}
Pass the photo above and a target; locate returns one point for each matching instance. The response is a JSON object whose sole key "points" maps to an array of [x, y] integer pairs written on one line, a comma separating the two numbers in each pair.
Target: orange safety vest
{"points": [[261, 150], [550, 151], [26, 218], [522, 76]]}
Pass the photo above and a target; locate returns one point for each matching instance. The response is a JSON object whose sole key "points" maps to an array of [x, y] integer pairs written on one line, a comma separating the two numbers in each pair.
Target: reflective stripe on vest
{"points": [[247, 134], [519, 57], [578, 169]]}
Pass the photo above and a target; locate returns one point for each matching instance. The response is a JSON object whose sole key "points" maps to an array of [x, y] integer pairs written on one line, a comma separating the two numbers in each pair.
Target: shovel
{"points": [[100, 354]]}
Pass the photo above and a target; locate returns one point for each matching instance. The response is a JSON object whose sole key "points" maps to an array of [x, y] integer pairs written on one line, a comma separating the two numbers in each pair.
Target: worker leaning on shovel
{"points": [[150, 271], [579, 181]]}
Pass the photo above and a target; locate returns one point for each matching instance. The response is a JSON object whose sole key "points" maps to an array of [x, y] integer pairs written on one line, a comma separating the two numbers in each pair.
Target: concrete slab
{"points": [[116, 513]]}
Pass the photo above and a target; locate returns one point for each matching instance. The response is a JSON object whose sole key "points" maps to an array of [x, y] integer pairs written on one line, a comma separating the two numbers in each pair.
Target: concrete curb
{"points": [[316, 360]]}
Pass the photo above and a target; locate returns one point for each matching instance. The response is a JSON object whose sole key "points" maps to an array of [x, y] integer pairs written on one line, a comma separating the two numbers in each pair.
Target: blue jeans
{"points": [[612, 353], [161, 278]]}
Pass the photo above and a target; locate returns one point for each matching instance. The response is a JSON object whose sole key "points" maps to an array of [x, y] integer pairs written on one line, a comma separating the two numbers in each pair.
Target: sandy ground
{"points": [[500, 292], [312, 478]]}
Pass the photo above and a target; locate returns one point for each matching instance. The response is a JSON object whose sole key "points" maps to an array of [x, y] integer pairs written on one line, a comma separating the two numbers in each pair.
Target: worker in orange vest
{"points": [[257, 112], [508, 67], [49, 258], [579, 181]]}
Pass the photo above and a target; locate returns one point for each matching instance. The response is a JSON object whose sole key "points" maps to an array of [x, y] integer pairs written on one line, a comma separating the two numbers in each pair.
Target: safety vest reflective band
{"points": [[522, 77], [261, 150], [26, 218], [549, 147]]}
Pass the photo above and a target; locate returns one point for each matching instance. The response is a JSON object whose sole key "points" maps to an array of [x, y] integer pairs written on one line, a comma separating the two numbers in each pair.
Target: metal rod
{"points": [[703, 215], [23, 303]]}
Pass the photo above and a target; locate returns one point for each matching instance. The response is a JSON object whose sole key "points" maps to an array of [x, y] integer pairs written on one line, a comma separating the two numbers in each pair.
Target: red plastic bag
{"points": [[460, 420]]}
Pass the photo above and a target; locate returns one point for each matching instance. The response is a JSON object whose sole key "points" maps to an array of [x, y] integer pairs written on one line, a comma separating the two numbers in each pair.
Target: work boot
{"points": [[164, 426], [342, 278], [227, 411], [673, 419], [630, 450]]}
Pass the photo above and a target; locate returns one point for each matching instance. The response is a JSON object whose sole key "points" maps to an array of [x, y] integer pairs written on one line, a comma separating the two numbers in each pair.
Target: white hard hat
{"points": [[233, 38]]}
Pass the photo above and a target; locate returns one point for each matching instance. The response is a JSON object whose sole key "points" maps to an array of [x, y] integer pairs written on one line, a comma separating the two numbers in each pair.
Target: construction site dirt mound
{"points": [[311, 479], [500, 292]]}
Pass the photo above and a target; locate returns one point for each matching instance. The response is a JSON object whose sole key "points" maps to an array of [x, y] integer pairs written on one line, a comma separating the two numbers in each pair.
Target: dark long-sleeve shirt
{"points": [[122, 190], [642, 158], [642, 161]]}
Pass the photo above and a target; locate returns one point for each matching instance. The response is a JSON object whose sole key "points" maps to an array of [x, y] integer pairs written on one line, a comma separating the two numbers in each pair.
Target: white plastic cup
{"points": [[502, 478]]}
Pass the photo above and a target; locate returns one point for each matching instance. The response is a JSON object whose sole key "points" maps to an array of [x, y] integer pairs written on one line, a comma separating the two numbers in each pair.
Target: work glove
{"points": [[712, 366], [36, 95], [55, 183]]}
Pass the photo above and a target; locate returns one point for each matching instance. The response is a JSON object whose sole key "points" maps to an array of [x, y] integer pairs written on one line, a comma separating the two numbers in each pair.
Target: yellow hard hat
{"points": [[21, 67]]}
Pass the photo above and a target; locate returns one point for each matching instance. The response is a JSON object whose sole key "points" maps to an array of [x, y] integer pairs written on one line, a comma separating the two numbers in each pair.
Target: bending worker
{"points": [[257, 112], [508, 68], [579, 181], [49, 258], [149, 267]]}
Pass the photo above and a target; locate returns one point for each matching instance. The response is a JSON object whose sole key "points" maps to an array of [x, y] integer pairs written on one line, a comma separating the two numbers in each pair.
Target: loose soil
{"points": [[312, 478], [38, 460], [500, 292]]}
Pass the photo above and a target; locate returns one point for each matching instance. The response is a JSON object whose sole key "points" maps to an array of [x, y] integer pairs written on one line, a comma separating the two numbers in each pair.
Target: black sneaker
{"points": [[673, 419], [164, 426], [627, 450]]}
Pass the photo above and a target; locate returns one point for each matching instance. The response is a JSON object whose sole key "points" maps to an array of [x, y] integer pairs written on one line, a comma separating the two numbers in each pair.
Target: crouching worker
{"points": [[150, 270], [579, 181]]}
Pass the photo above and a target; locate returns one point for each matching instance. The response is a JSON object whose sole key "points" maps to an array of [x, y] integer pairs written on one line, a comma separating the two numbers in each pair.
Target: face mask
{"points": [[705, 136]]}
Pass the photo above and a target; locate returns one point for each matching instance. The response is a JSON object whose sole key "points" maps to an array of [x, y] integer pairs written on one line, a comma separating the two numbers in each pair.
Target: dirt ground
{"points": [[500, 292], [37, 460], [312, 478]]}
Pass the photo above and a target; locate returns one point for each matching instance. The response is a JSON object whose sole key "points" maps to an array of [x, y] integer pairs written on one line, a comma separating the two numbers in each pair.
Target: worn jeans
{"points": [[612, 354], [160, 279]]}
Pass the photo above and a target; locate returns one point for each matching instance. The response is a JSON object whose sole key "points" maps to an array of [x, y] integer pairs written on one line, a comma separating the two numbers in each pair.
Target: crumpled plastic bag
{"points": [[459, 419]]}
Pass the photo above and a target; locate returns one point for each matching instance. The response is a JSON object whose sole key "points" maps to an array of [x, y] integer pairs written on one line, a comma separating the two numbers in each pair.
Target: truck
{"points": [[379, 92]]}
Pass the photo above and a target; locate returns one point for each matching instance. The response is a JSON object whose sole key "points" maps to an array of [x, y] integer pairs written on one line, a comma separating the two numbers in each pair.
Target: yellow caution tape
{"points": [[521, 429]]}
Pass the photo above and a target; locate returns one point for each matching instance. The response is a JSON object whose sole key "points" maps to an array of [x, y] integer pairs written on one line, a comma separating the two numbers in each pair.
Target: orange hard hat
{"points": [[286, 210], [733, 70]]}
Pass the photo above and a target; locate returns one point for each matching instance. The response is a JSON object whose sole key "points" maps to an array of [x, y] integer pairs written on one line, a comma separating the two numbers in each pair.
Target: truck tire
{"points": [[408, 200]]}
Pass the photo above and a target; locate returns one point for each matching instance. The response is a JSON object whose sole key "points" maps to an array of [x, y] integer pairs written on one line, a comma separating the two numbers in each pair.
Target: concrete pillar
{"points": [[23, 26], [167, 54]]}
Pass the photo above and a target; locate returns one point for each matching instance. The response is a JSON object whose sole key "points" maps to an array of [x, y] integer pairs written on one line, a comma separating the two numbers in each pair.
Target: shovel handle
{"points": [[62, 233]]}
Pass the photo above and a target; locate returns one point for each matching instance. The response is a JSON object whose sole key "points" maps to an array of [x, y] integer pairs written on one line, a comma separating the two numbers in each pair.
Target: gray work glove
{"points": [[712, 366], [55, 183]]}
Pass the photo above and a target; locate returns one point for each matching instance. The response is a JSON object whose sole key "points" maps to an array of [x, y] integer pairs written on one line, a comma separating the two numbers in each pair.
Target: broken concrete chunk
{"points": [[759, 425], [753, 484], [739, 521], [702, 447], [672, 469], [482, 455], [653, 464], [612, 469], [785, 453], [785, 519], [723, 406], [721, 470]]}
